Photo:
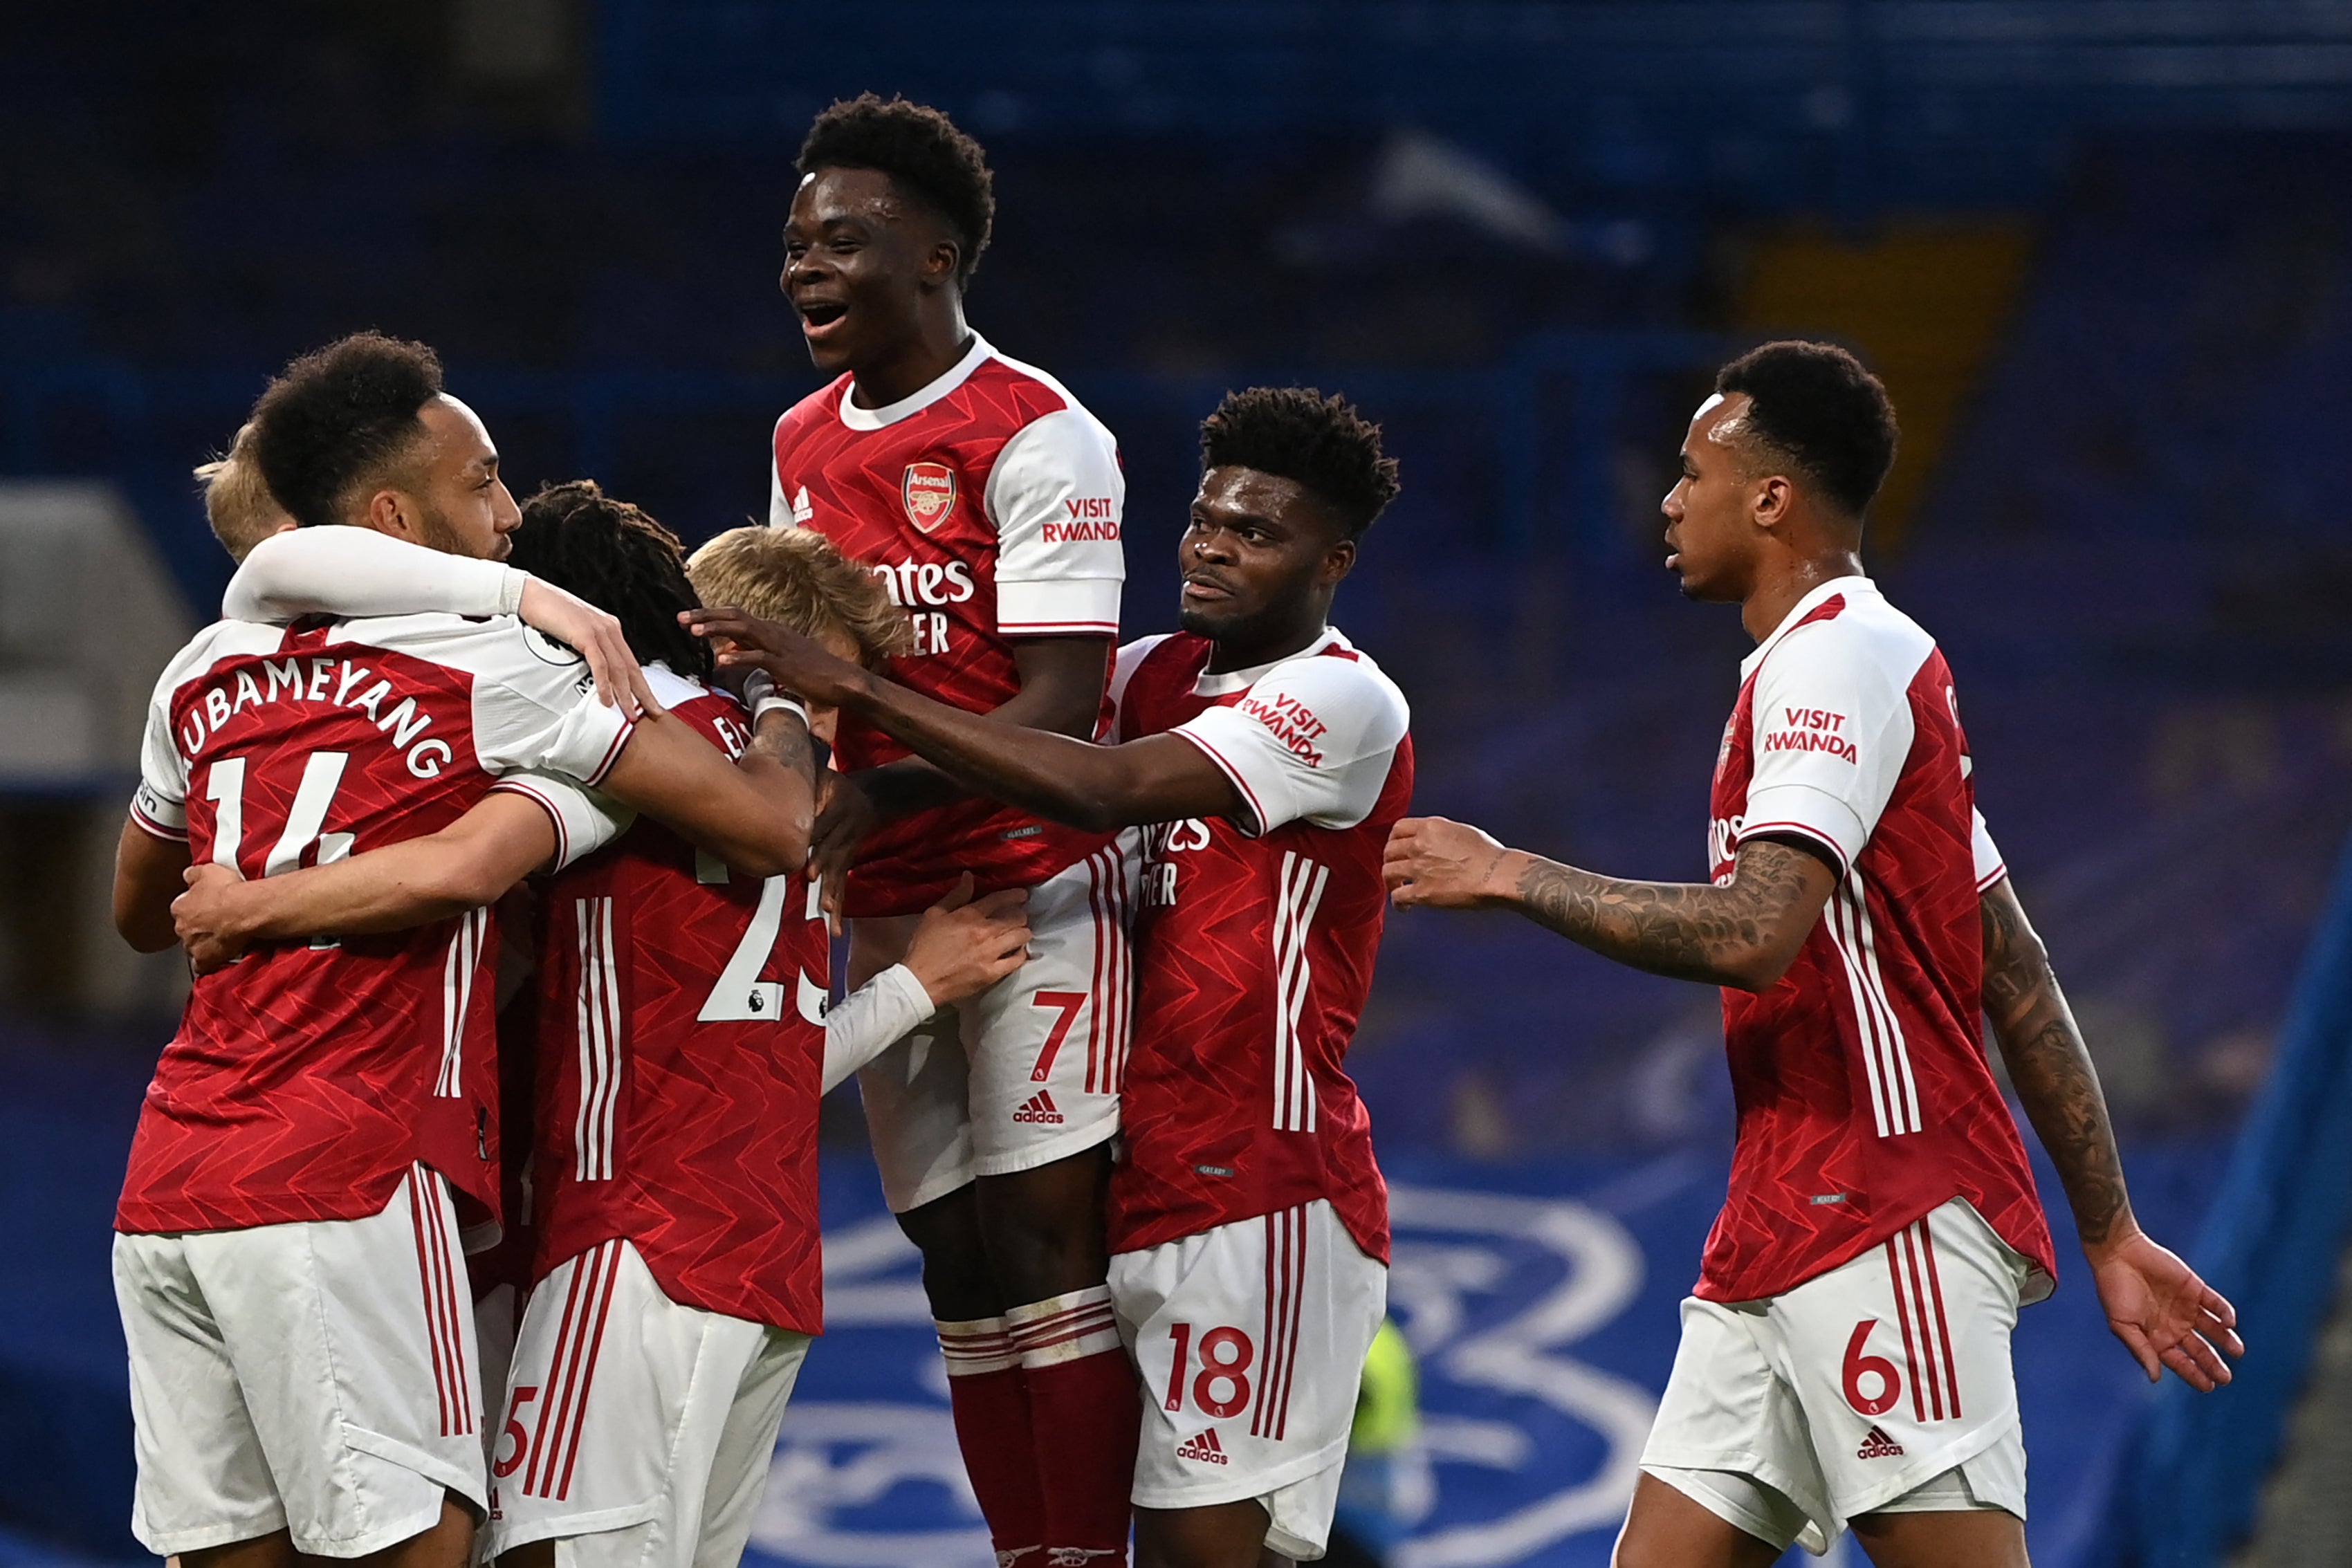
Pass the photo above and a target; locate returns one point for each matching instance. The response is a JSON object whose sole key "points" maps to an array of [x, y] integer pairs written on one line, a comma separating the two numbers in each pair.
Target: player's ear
{"points": [[388, 512], [1770, 504], [942, 266], [1337, 562]]}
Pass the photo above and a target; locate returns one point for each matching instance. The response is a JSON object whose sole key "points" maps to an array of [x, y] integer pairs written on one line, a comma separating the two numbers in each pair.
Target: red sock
{"points": [[1085, 1411], [988, 1394]]}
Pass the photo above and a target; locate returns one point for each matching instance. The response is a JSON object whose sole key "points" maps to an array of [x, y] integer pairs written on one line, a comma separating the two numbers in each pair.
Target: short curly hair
{"points": [[1296, 433], [924, 155], [617, 558], [1819, 408], [797, 578], [339, 418]]}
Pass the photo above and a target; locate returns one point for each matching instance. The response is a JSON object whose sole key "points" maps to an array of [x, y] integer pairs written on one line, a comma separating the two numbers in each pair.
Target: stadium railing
{"points": [[2272, 1245]]}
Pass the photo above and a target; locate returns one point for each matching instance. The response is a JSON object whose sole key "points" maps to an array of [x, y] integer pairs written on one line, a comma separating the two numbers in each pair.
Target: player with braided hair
{"points": [[1264, 758], [681, 1035]]}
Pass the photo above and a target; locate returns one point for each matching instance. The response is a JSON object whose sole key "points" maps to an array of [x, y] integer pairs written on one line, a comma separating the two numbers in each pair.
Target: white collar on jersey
{"points": [[1803, 607], [1226, 683], [859, 418]]}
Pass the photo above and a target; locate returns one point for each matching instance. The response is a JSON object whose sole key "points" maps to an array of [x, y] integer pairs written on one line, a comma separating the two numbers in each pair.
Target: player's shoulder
{"points": [[711, 709], [499, 649], [1853, 630], [816, 409], [1341, 682], [211, 644], [1028, 399], [1340, 664]]}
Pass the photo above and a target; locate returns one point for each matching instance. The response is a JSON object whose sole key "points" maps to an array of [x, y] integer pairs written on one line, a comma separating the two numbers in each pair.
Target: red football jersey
{"points": [[1254, 942], [305, 1078], [680, 1048], [1863, 1096], [988, 504]]}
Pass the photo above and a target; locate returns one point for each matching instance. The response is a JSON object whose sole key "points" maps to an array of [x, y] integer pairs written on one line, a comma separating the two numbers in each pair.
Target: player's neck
{"points": [[906, 368], [1781, 584], [1251, 649]]}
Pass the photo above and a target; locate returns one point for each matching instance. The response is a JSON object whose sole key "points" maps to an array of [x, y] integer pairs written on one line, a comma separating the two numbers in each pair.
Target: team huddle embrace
{"points": [[473, 1210]]}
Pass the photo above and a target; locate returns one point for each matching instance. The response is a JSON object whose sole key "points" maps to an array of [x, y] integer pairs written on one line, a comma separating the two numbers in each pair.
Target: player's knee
{"points": [[957, 1278]]}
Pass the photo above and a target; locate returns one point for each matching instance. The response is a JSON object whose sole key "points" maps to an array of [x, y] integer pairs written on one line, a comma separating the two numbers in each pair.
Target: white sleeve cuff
{"points": [[1815, 813], [167, 818], [1062, 607], [871, 1019], [585, 822]]}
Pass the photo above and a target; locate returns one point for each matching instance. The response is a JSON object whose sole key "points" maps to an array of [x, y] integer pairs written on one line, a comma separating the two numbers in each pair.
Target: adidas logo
{"points": [[1878, 1446], [801, 510], [1040, 1108], [1204, 1447]]}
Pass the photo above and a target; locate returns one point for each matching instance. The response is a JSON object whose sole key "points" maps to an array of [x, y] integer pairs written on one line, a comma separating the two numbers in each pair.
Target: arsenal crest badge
{"points": [[928, 490]]}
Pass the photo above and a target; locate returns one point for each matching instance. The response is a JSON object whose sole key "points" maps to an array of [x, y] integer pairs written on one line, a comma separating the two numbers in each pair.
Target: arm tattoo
{"points": [[2052, 1068], [1686, 931], [787, 743]]}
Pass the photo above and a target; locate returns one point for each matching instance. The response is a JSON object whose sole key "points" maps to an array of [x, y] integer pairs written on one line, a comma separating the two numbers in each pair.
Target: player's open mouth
{"points": [[817, 315]]}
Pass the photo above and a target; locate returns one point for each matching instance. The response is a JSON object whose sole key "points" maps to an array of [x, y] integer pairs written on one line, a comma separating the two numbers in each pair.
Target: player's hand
{"points": [[598, 637], [961, 947], [799, 664], [845, 815], [1446, 866], [209, 917], [2164, 1313]]}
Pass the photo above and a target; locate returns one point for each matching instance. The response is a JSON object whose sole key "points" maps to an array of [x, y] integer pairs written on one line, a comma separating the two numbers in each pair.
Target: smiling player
{"points": [[987, 501], [1248, 1219]]}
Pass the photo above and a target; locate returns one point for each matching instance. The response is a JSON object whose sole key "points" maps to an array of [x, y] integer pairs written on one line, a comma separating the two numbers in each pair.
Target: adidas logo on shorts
{"points": [[1204, 1447], [1040, 1108], [1878, 1446]]}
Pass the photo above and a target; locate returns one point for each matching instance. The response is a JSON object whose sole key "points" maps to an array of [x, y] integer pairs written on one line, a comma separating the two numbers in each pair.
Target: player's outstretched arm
{"points": [[1061, 691], [1161, 779], [469, 863], [960, 947], [2154, 1304], [754, 813], [358, 571], [1744, 934], [147, 871]]}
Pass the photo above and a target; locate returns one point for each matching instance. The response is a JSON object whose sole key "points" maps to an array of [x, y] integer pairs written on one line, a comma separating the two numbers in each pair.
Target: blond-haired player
{"points": [[796, 578], [674, 1284], [237, 502]]}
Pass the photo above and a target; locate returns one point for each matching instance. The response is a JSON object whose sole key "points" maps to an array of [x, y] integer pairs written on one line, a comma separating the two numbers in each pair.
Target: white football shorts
{"points": [[1883, 1385], [1028, 1072], [1250, 1341], [636, 1431], [316, 1377]]}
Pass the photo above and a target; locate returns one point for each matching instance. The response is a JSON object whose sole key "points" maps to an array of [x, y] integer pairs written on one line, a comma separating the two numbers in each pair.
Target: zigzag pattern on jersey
{"points": [[1238, 1103], [853, 480], [294, 1088], [695, 1139], [1865, 1097]]}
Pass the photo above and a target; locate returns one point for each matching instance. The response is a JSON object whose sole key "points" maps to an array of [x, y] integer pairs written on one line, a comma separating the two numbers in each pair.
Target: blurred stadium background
{"points": [[2100, 250]]}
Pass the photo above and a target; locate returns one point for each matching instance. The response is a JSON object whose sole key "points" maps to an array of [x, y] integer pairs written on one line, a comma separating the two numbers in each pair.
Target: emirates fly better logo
{"points": [[928, 490]]}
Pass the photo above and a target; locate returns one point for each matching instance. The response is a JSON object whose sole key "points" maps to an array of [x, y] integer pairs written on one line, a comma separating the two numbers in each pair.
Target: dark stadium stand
{"points": [[2131, 541]]}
